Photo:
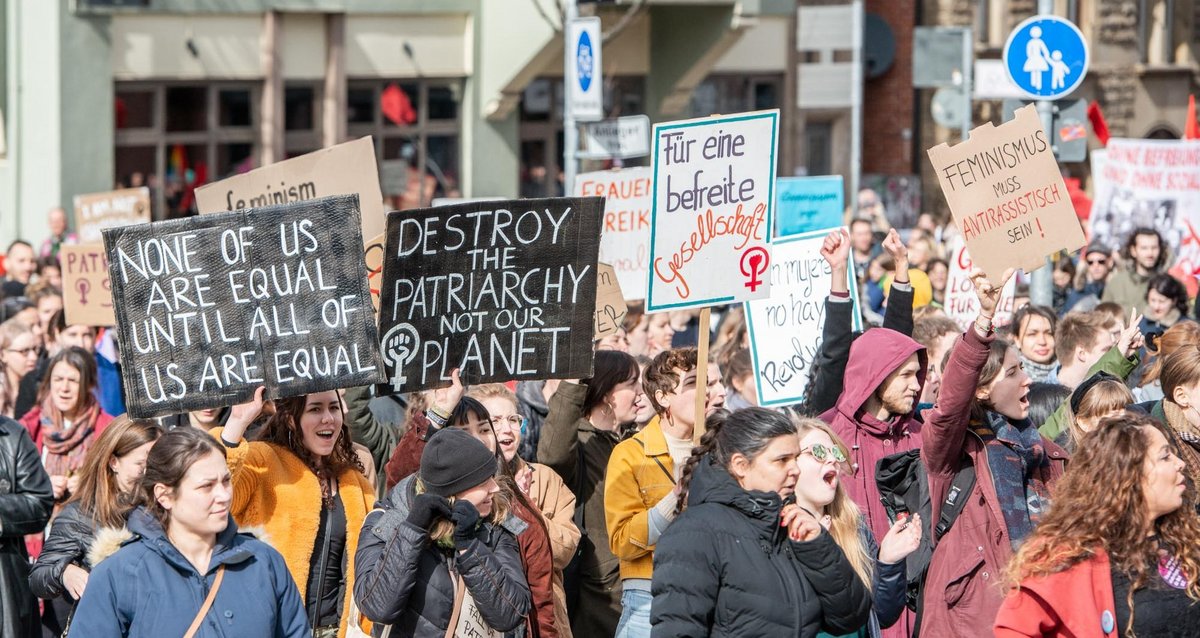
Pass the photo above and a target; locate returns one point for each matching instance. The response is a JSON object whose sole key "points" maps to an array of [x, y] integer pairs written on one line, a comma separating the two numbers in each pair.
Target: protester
{"points": [[448, 516], [47, 300], [303, 483], [982, 421], [937, 335], [19, 266], [1063, 279], [740, 391], [1118, 561], [25, 506], [182, 562], [1179, 410], [1045, 399], [1090, 280], [742, 560], [1099, 396], [1033, 333], [1160, 347], [862, 242], [380, 438], [659, 333], [1145, 255], [880, 564], [1166, 304], [1080, 339], [49, 270], [578, 437], [108, 485], [938, 272], [18, 353], [56, 221]]}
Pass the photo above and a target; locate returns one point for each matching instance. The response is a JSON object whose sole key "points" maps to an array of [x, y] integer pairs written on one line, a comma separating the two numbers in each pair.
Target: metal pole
{"points": [[570, 129], [968, 57], [1041, 285], [856, 101]]}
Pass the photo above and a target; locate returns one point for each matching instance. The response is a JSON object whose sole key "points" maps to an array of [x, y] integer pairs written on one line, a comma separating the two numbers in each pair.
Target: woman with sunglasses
{"points": [[743, 559]]}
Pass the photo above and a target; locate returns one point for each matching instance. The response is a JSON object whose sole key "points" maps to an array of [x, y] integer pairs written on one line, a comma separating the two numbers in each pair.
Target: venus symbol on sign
{"points": [[83, 287], [399, 348], [754, 263]]}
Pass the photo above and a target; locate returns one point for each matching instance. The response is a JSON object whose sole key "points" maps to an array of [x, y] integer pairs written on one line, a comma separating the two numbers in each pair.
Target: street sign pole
{"points": [[570, 129], [968, 62], [1041, 286]]}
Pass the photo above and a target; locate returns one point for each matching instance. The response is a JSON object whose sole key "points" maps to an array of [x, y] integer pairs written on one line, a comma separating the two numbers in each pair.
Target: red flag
{"points": [[397, 106], [1191, 130], [1099, 126]]}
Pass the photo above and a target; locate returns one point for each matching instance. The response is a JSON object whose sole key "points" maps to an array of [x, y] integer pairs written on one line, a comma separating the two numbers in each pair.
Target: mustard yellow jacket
{"points": [[640, 473]]}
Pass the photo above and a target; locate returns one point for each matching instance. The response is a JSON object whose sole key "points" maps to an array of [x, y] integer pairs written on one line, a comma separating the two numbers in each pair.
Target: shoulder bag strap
{"points": [[459, 594], [212, 595]]}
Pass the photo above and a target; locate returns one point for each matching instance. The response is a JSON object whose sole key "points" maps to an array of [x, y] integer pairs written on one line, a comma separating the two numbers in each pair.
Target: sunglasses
{"points": [[1096, 262], [823, 454]]}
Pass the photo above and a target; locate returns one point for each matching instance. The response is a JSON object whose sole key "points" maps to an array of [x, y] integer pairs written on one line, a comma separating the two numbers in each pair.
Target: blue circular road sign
{"points": [[1046, 56], [584, 61]]}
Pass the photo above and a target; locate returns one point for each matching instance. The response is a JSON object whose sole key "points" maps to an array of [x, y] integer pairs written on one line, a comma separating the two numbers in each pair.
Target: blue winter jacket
{"points": [[148, 589]]}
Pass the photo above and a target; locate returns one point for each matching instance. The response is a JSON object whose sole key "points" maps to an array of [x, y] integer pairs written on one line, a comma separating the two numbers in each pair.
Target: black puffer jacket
{"points": [[68, 542], [404, 580], [25, 503], [726, 568]]}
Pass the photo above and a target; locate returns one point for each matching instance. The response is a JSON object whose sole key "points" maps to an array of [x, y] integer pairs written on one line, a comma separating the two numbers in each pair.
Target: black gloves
{"points": [[426, 508], [466, 519]]}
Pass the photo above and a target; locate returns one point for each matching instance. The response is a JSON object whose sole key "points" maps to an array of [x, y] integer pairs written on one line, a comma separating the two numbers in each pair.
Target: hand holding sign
{"points": [[988, 293], [446, 399]]}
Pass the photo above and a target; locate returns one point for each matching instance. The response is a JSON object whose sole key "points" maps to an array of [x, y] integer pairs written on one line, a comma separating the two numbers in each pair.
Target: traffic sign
{"points": [[585, 78], [1046, 56], [623, 137]]}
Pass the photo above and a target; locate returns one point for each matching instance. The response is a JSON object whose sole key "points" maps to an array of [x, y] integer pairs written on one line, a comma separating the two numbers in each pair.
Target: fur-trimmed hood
{"points": [[110, 539]]}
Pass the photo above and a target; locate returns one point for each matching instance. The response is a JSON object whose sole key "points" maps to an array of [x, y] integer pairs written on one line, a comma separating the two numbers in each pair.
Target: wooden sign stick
{"points": [[701, 375]]}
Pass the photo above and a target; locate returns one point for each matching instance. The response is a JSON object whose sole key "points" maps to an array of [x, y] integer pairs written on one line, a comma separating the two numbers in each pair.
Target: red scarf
{"points": [[65, 450]]}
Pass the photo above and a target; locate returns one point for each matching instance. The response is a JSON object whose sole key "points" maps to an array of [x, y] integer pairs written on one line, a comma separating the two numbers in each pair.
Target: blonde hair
{"points": [[846, 518], [492, 391], [1101, 399], [442, 530]]}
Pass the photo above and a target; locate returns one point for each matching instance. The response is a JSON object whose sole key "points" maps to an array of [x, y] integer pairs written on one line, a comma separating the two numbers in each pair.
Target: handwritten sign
{"points": [[97, 211], [808, 203], [610, 302], [786, 328], [1007, 195], [209, 308], [711, 219], [961, 304], [87, 293], [625, 238], [501, 290], [374, 257]]}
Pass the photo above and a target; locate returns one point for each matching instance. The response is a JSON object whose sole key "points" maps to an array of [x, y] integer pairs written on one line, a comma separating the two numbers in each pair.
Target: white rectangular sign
{"points": [[786, 328], [585, 70], [961, 304], [711, 220], [623, 137], [625, 232]]}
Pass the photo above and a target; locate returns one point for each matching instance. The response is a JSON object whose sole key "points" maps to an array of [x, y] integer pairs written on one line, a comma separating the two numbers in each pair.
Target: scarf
{"points": [[1184, 437], [1039, 372], [66, 449], [1019, 467]]}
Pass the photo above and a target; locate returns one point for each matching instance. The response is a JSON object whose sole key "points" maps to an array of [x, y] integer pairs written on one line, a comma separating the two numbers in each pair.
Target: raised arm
{"points": [[839, 322], [380, 438], [406, 457], [559, 442], [898, 314]]}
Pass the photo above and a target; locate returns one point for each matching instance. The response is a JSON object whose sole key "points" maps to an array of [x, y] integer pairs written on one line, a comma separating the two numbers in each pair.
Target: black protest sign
{"points": [[501, 290], [210, 308]]}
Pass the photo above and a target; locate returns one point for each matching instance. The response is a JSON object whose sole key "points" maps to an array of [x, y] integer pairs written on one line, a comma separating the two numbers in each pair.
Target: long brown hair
{"points": [[283, 429], [98, 494], [83, 362], [172, 456], [991, 369], [1083, 519]]}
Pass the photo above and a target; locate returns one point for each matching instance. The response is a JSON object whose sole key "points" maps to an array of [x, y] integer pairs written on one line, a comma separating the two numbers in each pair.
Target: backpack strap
{"points": [[956, 499], [657, 461]]}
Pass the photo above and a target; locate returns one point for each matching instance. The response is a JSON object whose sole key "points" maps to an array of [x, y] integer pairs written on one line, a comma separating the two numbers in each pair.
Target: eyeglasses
{"points": [[823, 454], [515, 420], [25, 352], [1097, 262]]}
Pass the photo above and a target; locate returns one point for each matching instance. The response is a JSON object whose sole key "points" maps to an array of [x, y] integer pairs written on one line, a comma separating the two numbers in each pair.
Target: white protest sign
{"points": [[711, 220], [786, 328], [961, 304], [96, 211], [625, 233]]}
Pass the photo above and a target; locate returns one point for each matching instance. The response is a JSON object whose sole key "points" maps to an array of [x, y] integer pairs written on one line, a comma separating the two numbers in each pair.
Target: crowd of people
{"points": [[947, 476]]}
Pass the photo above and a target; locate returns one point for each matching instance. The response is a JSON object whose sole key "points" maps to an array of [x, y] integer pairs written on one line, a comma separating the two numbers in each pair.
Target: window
{"points": [[301, 118], [735, 94], [416, 122], [175, 136]]}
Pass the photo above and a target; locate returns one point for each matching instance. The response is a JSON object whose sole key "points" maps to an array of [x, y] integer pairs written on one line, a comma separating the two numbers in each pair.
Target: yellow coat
{"points": [[273, 489], [640, 473]]}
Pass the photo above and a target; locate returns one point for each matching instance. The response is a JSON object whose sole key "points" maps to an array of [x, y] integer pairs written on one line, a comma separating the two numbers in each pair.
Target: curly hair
{"points": [[661, 376], [283, 429], [1083, 519]]}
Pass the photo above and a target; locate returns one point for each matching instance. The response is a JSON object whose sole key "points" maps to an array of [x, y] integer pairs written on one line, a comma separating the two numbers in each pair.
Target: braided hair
{"points": [[747, 432]]}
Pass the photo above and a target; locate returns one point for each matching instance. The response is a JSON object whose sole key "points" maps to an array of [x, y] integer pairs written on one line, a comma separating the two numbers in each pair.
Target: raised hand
{"points": [[241, 416], [446, 399], [896, 249], [1132, 339], [901, 540], [987, 292], [836, 249]]}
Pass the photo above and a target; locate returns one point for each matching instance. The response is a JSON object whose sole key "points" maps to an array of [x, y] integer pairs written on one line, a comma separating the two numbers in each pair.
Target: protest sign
{"points": [[786, 328], [346, 169], [961, 304], [610, 302], [209, 308], [374, 258], [711, 215], [501, 290], [87, 293], [625, 236], [808, 203], [1007, 195], [97, 211]]}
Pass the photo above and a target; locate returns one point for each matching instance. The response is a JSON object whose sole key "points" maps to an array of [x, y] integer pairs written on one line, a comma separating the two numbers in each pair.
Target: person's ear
{"points": [[1180, 397], [739, 466], [164, 496], [982, 393]]}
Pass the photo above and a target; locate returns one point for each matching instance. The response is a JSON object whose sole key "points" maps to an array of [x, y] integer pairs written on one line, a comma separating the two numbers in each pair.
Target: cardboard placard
{"points": [[374, 258], [625, 238], [96, 211], [804, 204], [786, 328], [711, 219], [348, 168], [1007, 195], [961, 304], [87, 293], [610, 302], [209, 308], [501, 290]]}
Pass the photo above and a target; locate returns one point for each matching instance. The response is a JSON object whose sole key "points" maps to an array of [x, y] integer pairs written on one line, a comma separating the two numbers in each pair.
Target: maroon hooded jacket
{"points": [[874, 355]]}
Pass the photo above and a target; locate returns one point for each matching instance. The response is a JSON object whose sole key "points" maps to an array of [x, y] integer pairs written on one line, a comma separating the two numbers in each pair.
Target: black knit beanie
{"points": [[454, 461]]}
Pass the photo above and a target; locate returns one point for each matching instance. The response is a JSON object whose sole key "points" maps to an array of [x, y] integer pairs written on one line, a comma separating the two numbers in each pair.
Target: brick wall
{"points": [[888, 99]]}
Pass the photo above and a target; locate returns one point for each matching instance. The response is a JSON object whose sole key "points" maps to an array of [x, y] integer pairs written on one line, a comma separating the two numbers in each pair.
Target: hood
{"points": [[712, 484], [228, 549], [875, 355]]}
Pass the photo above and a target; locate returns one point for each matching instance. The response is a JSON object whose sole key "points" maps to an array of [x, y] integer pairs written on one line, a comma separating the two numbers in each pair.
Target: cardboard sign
{"points": [[804, 204], [610, 302], [625, 238], [97, 211], [710, 224], [501, 290], [786, 328], [374, 258], [87, 293], [210, 308], [346, 169], [961, 304], [1007, 195]]}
